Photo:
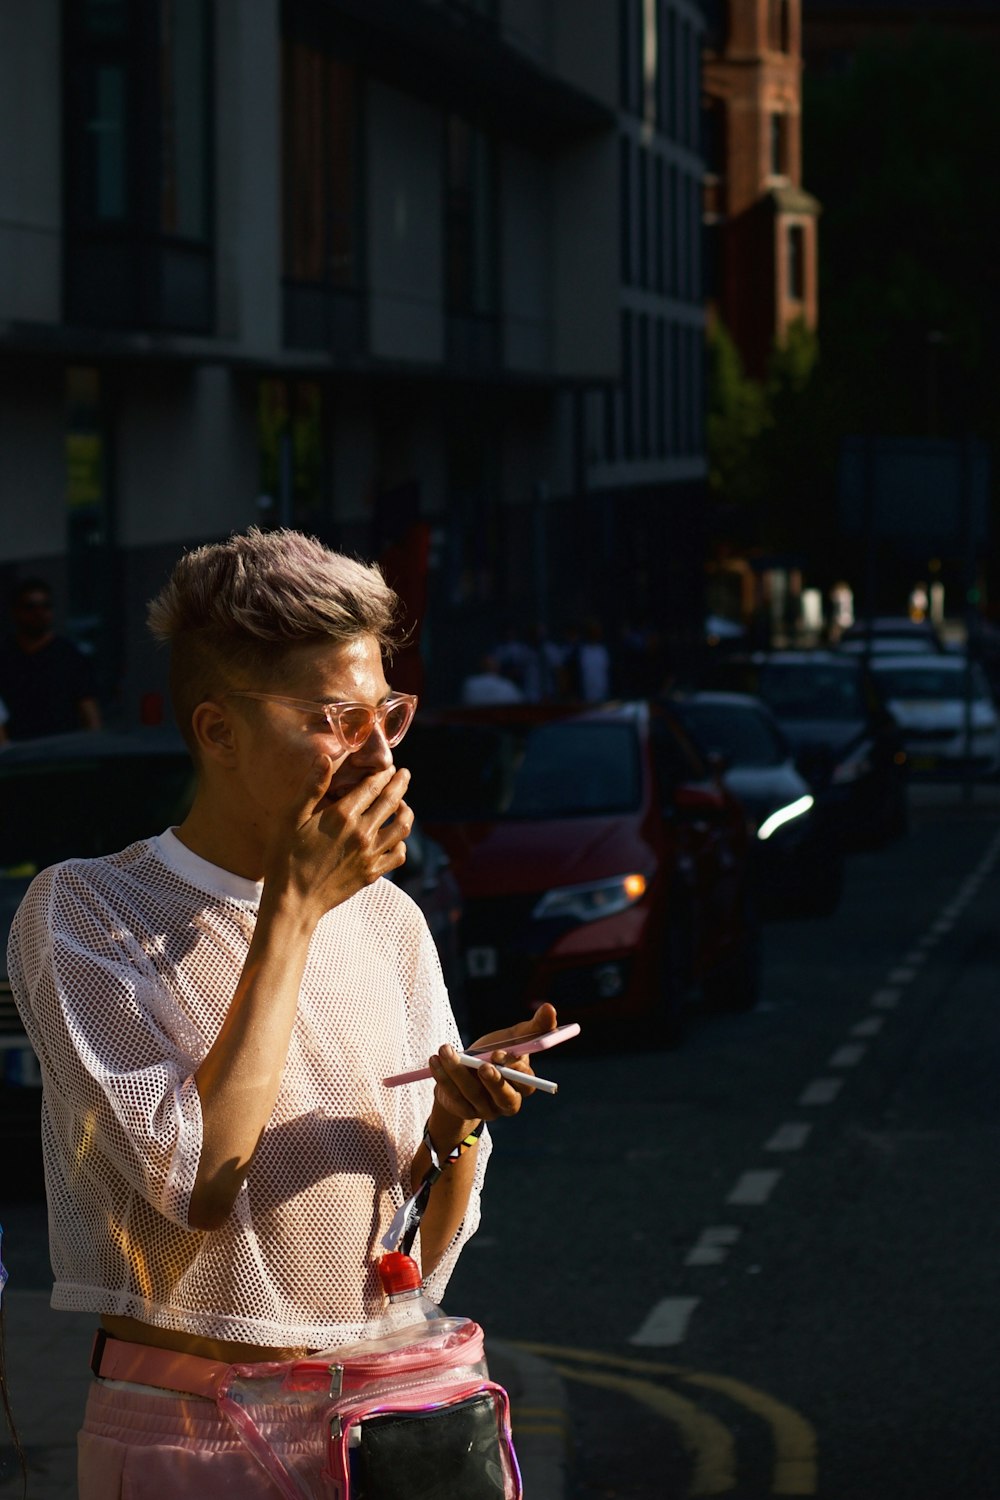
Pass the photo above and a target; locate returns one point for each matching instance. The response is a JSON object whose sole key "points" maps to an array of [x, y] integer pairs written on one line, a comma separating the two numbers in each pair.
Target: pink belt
{"points": [[167, 1369]]}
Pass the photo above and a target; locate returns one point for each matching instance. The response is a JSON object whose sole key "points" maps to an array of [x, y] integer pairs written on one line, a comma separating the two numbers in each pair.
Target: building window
{"points": [[659, 214], [630, 55], [625, 205], [796, 252], [660, 387], [322, 253], [643, 388], [696, 278], [628, 387], [470, 226], [471, 289], [137, 148], [93, 597], [642, 164], [779, 26], [778, 144], [319, 150], [713, 122], [291, 452], [184, 123]]}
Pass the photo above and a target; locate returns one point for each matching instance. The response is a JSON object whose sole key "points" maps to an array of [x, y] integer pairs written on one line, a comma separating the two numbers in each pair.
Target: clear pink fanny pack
{"points": [[411, 1417]]}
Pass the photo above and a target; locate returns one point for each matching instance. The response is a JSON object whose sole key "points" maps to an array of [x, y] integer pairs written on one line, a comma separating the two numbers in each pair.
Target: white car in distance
{"points": [[945, 711]]}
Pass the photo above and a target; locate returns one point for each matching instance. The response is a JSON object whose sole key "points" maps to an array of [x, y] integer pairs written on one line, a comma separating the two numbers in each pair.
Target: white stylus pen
{"points": [[544, 1085]]}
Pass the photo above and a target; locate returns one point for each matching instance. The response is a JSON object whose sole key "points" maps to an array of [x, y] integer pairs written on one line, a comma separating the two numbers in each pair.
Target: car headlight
{"points": [[587, 903], [857, 764], [783, 815]]}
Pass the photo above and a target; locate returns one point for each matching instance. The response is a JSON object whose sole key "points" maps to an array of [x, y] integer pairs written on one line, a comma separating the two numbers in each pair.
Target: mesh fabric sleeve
{"points": [[113, 1042]]}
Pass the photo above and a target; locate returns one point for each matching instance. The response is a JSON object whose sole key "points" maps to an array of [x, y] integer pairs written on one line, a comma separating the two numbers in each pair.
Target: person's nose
{"points": [[376, 752]]}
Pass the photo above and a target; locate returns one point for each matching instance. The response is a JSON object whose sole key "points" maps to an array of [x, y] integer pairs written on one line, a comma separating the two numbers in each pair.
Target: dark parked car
{"points": [[74, 795], [890, 634], [798, 860], [80, 795], [846, 742], [602, 864]]}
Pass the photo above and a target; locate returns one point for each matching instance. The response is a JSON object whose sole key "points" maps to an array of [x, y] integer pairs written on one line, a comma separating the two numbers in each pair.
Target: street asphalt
{"points": [[47, 1368]]}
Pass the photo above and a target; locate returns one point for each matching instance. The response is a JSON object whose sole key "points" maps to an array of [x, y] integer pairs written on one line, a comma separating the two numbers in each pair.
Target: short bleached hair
{"points": [[232, 611]]}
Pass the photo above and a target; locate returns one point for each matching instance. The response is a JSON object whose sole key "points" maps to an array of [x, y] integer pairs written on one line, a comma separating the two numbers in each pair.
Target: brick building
{"points": [[761, 226]]}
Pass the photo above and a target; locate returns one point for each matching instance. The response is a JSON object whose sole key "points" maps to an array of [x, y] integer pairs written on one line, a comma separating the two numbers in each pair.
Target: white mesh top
{"points": [[123, 968]]}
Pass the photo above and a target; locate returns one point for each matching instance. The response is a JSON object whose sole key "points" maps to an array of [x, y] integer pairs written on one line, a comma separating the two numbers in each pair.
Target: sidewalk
{"points": [[47, 1370]]}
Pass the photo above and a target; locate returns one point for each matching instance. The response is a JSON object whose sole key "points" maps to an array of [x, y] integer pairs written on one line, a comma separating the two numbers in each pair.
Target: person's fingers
{"points": [[319, 784], [544, 1019], [481, 1092]]}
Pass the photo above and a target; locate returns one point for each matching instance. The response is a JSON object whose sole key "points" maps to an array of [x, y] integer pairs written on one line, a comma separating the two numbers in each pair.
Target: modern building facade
{"points": [[419, 276], [761, 226]]}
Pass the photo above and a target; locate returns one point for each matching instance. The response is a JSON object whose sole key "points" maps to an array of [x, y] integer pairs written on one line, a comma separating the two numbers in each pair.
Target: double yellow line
{"points": [[707, 1440]]}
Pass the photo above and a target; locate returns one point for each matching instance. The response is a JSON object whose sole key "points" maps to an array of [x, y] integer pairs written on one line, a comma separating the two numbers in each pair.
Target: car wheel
{"points": [[735, 984]]}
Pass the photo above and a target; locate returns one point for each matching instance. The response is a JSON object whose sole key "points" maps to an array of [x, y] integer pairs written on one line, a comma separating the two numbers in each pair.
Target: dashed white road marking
{"points": [[789, 1137], [754, 1188], [941, 926], [821, 1091], [666, 1323], [915, 959], [902, 976], [885, 999], [848, 1056], [870, 1026], [713, 1245]]}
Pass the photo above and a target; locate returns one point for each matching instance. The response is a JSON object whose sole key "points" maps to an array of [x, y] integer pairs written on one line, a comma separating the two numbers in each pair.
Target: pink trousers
{"points": [[138, 1447]]}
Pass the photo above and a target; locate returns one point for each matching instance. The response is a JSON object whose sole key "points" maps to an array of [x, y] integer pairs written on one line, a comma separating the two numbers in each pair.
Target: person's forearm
{"points": [[449, 1197], [238, 1080]]}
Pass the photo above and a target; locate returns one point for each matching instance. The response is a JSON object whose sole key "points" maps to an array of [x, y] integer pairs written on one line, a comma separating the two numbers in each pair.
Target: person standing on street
{"points": [[46, 683], [215, 1009], [488, 685]]}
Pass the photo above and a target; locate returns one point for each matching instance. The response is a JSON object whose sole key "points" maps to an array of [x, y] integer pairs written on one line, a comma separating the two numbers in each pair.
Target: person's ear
{"points": [[214, 732]]}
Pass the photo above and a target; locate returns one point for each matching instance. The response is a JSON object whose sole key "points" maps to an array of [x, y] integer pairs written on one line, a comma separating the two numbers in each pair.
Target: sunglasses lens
{"points": [[355, 724], [397, 721]]}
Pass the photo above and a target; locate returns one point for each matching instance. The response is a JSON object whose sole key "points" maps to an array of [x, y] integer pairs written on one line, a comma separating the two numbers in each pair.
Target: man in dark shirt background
{"points": [[46, 683]]}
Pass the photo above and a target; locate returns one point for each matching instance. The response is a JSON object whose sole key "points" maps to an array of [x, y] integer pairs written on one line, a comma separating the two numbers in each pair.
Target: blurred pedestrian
{"points": [[489, 685], [514, 657], [46, 681], [543, 666], [589, 666]]}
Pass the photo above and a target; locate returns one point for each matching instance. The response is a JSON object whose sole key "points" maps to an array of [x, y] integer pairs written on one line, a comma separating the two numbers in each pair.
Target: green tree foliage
{"points": [[737, 416], [770, 446]]}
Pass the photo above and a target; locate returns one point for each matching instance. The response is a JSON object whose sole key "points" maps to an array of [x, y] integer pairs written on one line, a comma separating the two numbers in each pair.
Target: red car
{"points": [[603, 864]]}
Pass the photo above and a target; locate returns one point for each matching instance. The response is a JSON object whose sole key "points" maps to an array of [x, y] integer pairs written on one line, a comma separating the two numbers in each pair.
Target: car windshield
{"points": [[739, 733], [77, 808], [489, 772], [812, 690], [928, 683]]}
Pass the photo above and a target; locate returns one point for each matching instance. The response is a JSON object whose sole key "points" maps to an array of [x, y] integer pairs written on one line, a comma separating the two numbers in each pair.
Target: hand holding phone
{"points": [[514, 1046]]}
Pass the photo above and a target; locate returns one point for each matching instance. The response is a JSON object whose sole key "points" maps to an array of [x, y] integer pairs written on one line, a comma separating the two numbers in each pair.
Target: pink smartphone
{"points": [[514, 1046]]}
